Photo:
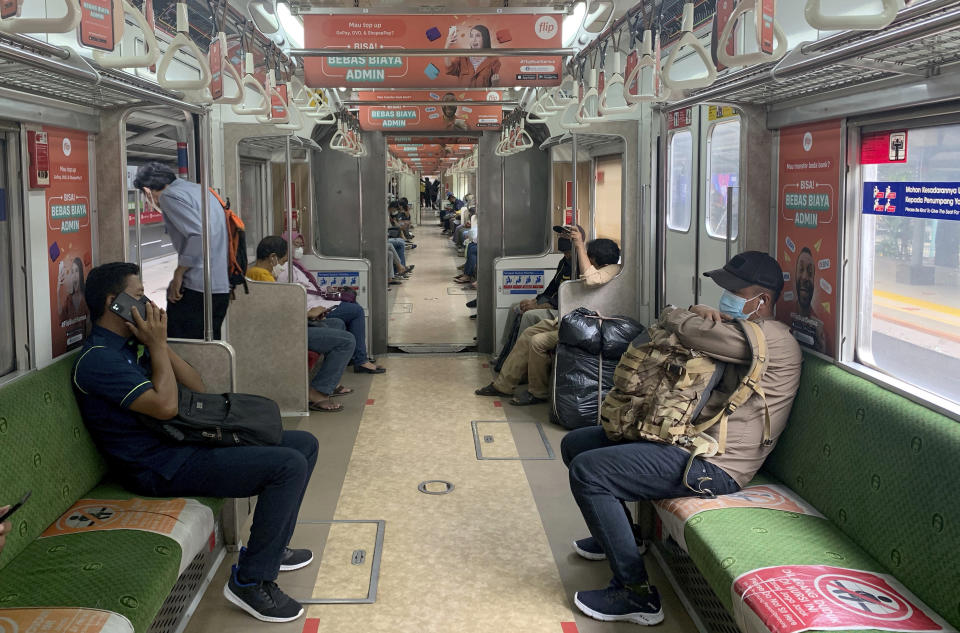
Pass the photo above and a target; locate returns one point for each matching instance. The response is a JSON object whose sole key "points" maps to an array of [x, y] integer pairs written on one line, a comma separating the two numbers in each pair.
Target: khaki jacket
{"points": [[726, 342]]}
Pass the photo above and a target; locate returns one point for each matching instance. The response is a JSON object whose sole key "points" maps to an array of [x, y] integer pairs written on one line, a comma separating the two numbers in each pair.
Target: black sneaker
{"points": [[590, 549], [295, 559], [263, 600], [472, 303], [617, 603]]}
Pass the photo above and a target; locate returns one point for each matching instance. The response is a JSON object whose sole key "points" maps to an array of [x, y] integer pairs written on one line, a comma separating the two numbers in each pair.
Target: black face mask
{"points": [[564, 244]]}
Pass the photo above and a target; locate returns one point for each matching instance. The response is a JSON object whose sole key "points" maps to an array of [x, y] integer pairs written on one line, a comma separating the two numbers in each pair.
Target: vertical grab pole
{"points": [[574, 213], [137, 208], [288, 198], [203, 169], [729, 220], [503, 212]]}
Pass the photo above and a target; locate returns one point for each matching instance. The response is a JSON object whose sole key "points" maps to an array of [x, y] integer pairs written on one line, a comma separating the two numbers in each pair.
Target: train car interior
{"points": [[608, 322]]}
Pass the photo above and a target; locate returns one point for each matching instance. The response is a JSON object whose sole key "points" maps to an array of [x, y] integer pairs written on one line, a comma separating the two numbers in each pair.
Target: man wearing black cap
{"points": [[604, 473]]}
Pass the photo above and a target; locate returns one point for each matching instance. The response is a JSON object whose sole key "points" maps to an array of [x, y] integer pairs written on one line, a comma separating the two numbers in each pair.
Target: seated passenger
{"points": [[125, 370], [333, 342], [603, 473], [531, 355], [5, 528], [351, 313]]}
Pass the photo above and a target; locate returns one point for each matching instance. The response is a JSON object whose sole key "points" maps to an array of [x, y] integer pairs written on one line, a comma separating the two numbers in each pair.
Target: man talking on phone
{"points": [[126, 369]]}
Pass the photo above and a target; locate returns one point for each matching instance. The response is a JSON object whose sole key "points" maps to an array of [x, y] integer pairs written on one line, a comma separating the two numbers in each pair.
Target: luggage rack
{"points": [[922, 42], [34, 67]]}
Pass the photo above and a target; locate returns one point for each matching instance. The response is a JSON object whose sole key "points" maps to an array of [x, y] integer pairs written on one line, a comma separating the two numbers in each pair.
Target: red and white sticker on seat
{"points": [[794, 598], [27, 620], [187, 521], [675, 513]]}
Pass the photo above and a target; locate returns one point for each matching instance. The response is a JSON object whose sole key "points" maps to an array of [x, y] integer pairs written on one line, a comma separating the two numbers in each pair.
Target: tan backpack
{"points": [[661, 387]]}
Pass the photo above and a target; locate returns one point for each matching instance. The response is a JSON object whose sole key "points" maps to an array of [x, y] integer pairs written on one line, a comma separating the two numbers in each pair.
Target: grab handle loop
{"points": [[646, 60], [538, 112], [690, 40], [587, 112], [227, 68], [149, 56], [272, 91], [249, 81], [815, 17], [182, 40], [568, 120], [617, 89], [64, 24], [264, 15], [748, 59]]}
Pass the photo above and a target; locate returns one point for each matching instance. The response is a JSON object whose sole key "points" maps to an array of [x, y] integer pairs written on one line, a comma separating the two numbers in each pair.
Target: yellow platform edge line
{"points": [[920, 303]]}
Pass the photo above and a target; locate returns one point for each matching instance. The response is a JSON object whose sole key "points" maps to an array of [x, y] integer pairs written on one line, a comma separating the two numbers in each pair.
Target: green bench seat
{"points": [[884, 472], [44, 447]]}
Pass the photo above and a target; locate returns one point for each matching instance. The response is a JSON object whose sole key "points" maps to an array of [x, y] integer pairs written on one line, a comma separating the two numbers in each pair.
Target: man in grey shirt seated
{"points": [[180, 203]]}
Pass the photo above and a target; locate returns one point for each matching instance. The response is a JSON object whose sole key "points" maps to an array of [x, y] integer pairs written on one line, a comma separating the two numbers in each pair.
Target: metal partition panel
{"points": [[372, 193], [336, 203], [628, 293], [526, 203], [489, 237], [343, 271], [268, 331]]}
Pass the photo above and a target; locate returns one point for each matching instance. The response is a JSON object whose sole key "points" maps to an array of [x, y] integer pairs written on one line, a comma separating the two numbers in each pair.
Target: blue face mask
{"points": [[732, 305]]}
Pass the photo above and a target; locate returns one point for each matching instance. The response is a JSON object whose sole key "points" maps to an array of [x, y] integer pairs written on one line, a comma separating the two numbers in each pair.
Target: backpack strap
{"points": [[749, 384]]}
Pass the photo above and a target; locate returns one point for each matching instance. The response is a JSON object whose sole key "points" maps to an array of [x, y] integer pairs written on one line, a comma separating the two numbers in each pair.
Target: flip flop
{"points": [[524, 399], [319, 406], [341, 391], [490, 390]]}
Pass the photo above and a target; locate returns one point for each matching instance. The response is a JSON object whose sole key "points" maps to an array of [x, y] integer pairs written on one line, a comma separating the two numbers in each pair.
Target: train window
{"points": [[7, 348], [607, 208], [723, 167], [910, 296], [680, 203]]}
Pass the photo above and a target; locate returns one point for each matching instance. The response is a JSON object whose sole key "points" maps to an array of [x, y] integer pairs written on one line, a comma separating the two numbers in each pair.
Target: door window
{"points": [[723, 169], [680, 200]]}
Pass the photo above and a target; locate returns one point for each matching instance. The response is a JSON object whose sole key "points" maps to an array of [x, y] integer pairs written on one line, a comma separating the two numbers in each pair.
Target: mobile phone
{"points": [[15, 507], [124, 305]]}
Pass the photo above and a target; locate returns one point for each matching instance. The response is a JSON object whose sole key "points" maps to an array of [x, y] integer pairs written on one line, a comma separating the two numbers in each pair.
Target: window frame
{"points": [[856, 284], [669, 188], [707, 185], [23, 325]]}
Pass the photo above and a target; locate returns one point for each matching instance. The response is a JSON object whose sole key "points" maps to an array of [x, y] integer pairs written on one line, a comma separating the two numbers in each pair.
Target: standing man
{"points": [[180, 203]]}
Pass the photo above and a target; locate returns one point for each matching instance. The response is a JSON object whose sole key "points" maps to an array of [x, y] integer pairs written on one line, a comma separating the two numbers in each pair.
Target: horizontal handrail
{"points": [[431, 52]]}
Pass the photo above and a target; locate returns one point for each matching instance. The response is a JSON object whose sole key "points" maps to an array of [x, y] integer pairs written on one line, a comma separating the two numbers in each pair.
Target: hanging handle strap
{"points": [[646, 60], [149, 56], [64, 24], [689, 40], [228, 69], [747, 59], [183, 41], [813, 12], [264, 15], [249, 81]]}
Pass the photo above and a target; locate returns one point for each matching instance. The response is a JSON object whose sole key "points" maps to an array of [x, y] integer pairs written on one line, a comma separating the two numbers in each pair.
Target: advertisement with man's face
{"points": [[454, 36], [811, 160], [68, 237], [449, 114]]}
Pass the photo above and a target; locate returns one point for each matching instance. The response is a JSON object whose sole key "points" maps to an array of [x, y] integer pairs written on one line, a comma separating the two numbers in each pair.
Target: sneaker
{"points": [[263, 600], [472, 303], [295, 559], [620, 604], [590, 549]]}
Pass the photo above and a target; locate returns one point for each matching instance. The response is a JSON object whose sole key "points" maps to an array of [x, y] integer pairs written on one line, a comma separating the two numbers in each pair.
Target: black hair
{"points": [[272, 245], [484, 34], [79, 264], [393, 205], [603, 251], [806, 249], [154, 176], [103, 281]]}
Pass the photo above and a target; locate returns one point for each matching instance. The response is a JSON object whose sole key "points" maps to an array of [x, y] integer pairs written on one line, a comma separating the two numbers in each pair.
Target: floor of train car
{"points": [[493, 555], [428, 309]]}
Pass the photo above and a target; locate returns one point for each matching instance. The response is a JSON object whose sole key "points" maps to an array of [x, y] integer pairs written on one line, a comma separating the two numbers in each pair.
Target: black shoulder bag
{"points": [[221, 419]]}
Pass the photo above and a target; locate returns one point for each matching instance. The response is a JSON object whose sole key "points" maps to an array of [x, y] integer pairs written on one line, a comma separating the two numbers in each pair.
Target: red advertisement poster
{"points": [[68, 236], [9, 8], [97, 24], [811, 164], [797, 598], [724, 11], [439, 117], [215, 59], [67, 620], [883, 148], [452, 35]]}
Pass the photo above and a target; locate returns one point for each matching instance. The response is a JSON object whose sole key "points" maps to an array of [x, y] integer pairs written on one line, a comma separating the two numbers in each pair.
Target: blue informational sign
{"points": [[927, 200], [339, 278], [523, 282]]}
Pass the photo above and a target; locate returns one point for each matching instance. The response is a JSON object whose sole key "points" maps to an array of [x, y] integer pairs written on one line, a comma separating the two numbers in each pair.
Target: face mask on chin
{"points": [[732, 305], [298, 252]]}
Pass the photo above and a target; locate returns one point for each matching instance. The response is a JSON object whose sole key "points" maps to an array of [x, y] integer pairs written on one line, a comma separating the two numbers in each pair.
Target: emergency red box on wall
{"points": [[39, 150]]}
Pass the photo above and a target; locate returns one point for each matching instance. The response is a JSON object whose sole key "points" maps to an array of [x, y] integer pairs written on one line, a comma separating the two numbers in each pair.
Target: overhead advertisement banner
{"points": [[811, 164], [452, 35], [440, 117]]}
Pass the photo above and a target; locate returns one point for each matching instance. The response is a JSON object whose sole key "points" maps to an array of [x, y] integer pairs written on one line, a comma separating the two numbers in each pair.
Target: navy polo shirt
{"points": [[110, 374]]}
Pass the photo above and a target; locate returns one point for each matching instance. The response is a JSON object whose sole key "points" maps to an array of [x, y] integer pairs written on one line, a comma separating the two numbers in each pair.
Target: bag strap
{"points": [[749, 384]]}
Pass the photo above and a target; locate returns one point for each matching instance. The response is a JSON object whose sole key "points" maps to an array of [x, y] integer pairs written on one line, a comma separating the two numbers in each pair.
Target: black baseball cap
{"points": [[751, 268]]}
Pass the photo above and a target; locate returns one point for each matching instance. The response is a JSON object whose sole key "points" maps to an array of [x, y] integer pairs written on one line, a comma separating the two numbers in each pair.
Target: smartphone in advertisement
{"points": [[215, 57], [98, 24], [124, 305], [15, 507]]}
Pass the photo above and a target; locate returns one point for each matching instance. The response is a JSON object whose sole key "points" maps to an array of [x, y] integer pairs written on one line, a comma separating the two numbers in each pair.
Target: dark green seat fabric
{"points": [[45, 448], [884, 471]]}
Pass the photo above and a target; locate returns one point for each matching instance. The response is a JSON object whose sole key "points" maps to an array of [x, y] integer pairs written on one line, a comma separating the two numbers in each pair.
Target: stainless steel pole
{"points": [[288, 197], [137, 207], [573, 206], [204, 170]]}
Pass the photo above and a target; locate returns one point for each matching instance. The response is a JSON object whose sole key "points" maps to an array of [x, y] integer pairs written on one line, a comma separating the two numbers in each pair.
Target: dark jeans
{"points": [[604, 472], [277, 475], [470, 266], [352, 315], [185, 317]]}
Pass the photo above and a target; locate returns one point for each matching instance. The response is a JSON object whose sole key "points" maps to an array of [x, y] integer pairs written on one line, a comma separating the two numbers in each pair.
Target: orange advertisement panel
{"points": [[440, 117], [48, 620], [69, 244], [452, 35], [808, 225]]}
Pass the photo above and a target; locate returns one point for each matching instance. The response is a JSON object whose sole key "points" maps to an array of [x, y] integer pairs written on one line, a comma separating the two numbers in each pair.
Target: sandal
{"points": [[326, 406], [341, 391], [490, 390], [524, 399]]}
